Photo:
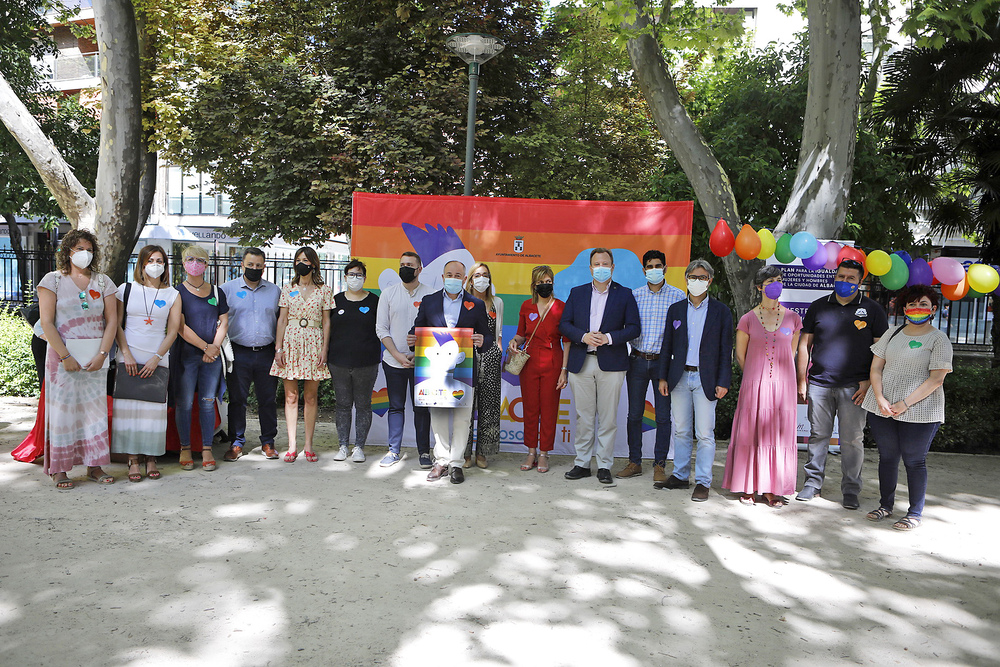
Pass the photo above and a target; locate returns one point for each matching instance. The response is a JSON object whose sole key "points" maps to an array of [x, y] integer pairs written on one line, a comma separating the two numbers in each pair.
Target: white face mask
{"points": [[481, 283], [153, 270], [354, 284], [82, 258], [697, 287]]}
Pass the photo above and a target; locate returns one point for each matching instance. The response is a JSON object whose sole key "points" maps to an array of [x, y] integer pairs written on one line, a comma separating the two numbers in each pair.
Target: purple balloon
{"points": [[920, 272], [817, 261], [832, 252]]}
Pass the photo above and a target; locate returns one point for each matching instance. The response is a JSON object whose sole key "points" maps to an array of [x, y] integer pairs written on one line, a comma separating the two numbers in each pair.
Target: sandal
{"points": [[154, 473], [290, 456], [134, 476], [103, 478], [908, 522], [543, 466], [879, 514], [312, 457], [747, 499], [530, 463], [188, 462], [63, 484], [775, 500]]}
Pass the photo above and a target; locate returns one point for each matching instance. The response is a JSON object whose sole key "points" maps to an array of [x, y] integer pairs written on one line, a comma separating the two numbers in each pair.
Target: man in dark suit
{"points": [[599, 319], [696, 366], [452, 307]]}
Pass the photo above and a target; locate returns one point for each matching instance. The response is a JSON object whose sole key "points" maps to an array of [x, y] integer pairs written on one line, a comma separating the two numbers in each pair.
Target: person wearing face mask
{"points": [[905, 402], [353, 359], [205, 320], [486, 434], [397, 308], [695, 371], [763, 453], [452, 307], [545, 374], [253, 325], [600, 319], [834, 361], [149, 325], [78, 313], [654, 299], [301, 345]]}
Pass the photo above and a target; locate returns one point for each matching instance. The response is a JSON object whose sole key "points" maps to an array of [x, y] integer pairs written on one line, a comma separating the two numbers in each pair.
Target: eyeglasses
{"points": [[703, 279], [84, 304], [355, 275]]}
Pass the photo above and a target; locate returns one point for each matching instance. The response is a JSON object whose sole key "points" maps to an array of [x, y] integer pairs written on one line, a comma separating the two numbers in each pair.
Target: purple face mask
{"points": [[772, 290]]}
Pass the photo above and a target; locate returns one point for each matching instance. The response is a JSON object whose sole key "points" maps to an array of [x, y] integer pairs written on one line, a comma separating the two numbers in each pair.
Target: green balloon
{"points": [[782, 252], [898, 275], [972, 294]]}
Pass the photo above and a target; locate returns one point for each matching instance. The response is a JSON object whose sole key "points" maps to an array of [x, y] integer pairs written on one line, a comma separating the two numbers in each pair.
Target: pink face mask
{"points": [[194, 268]]}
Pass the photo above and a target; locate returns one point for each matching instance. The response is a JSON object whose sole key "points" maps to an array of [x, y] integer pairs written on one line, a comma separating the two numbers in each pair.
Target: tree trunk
{"points": [[819, 197], [119, 168], [147, 177], [74, 200], [708, 178]]}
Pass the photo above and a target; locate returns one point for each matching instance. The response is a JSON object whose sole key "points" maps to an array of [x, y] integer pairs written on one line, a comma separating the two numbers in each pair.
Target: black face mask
{"points": [[303, 269], [544, 290], [407, 274], [253, 275]]}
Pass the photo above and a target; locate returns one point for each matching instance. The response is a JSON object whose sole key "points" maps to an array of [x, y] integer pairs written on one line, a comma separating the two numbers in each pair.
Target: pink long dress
{"points": [[763, 456]]}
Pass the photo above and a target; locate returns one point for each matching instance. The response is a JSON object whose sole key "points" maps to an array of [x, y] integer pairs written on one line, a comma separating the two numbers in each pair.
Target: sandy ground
{"points": [[266, 563]]}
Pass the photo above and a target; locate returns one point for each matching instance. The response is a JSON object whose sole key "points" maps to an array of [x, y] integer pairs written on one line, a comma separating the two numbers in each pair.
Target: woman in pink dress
{"points": [[762, 455]]}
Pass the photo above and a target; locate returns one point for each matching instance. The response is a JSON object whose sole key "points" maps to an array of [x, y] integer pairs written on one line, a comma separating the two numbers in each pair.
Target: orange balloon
{"points": [[957, 291], [722, 241], [747, 243]]}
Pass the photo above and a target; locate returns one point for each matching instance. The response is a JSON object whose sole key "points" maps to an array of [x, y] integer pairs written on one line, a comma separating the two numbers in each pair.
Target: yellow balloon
{"points": [[983, 278], [878, 263], [767, 243]]}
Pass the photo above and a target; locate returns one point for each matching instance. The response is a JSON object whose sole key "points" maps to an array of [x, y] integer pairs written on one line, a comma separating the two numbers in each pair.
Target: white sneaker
{"points": [[341, 454], [358, 455]]}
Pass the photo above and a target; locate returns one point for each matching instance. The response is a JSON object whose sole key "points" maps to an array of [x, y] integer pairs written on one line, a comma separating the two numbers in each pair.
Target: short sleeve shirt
{"points": [[909, 361], [842, 339], [201, 314]]}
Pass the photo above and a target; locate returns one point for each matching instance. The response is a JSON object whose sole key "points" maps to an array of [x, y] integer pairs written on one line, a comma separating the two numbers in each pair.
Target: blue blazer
{"points": [[621, 322], [715, 355], [431, 314]]}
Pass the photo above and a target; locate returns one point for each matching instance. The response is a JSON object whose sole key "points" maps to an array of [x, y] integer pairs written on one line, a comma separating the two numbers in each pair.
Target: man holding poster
{"points": [[454, 308]]}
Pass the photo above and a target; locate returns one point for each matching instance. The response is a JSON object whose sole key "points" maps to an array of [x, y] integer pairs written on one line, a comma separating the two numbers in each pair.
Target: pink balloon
{"points": [[948, 271], [832, 250]]}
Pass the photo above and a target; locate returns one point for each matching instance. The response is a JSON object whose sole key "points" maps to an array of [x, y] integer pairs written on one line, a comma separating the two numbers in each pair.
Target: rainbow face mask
{"points": [[917, 315]]}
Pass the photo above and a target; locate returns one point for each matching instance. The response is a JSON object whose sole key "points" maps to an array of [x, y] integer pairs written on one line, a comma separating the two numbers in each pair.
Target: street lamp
{"points": [[474, 48]]}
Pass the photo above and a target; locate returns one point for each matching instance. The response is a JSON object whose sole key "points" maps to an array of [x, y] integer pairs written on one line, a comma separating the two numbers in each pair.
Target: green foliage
{"points": [[678, 25], [934, 23], [17, 365], [970, 426]]}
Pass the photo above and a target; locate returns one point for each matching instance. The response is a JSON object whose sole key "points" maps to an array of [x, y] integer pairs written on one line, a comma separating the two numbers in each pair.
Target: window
{"points": [[191, 194]]}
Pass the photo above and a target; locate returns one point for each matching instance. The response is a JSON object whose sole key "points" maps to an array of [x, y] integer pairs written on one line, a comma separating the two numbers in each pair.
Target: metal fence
{"points": [[221, 269], [967, 322]]}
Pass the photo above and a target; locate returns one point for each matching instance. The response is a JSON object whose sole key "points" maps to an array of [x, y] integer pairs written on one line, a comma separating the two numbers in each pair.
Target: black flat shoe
{"points": [[578, 472]]}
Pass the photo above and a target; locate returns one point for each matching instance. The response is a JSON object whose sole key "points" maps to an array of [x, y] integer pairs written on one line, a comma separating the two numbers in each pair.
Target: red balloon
{"points": [[722, 241], [858, 255], [747, 243], [934, 280], [956, 292]]}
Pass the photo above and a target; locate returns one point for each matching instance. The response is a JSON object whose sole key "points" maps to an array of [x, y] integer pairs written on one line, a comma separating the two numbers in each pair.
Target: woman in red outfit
{"points": [[544, 376]]}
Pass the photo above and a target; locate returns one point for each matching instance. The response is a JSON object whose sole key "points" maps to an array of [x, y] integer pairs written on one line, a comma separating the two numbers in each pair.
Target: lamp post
{"points": [[474, 48]]}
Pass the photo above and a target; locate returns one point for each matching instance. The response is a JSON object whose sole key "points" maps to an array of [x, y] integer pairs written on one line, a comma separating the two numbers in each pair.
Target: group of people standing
{"points": [[849, 366]]}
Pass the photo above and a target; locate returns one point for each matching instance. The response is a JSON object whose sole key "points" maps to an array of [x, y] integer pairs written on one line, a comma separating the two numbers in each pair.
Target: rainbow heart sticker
{"points": [[458, 394], [380, 401]]}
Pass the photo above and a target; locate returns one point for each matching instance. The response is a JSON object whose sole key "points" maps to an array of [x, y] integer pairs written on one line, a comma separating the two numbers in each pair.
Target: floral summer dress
{"points": [[303, 342]]}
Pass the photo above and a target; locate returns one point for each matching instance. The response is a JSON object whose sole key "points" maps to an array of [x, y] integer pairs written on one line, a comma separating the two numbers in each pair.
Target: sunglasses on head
{"points": [[852, 264]]}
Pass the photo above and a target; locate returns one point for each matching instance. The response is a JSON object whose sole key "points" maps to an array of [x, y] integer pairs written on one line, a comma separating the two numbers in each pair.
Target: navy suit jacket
{"points": [[431, 314], [715, 355], [621, 321]]}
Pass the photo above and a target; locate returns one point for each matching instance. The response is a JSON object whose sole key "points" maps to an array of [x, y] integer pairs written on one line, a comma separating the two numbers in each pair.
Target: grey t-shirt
{"points": [[909, 361]]}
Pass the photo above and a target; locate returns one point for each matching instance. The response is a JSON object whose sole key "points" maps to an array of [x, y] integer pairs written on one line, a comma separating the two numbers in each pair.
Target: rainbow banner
{"points": [[512, 236], [442, 375]]}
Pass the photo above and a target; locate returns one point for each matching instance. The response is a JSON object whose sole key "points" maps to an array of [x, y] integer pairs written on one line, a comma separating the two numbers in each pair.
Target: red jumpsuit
{"points": [[539, 396]]}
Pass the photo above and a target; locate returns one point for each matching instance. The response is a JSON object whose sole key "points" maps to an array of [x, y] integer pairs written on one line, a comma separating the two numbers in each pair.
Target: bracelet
{"points": [[103, 352], [68, 355], [906, 404], [205, 349], [565, 368], [158, 356]]}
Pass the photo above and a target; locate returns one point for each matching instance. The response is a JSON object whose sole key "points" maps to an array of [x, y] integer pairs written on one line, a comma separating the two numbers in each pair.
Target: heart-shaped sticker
{"points": [[293, 293], [458, 394], [533, 316], [159, 303], [785, 331], [364, 309], [860, 324], [469, 305], [492, 315], [677, 324], [212, 301], [914, 344], [94, 294], [242, 294], [416, 304]]}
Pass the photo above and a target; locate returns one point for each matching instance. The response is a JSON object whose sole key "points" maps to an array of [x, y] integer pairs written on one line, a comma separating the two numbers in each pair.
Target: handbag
{"points": [[518, 357], [137, 388], [226, 349], [84, 349]]}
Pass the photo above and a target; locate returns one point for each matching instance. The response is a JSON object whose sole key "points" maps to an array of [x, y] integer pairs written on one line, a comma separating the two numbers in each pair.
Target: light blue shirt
{"points": [[696, 316], [253, 313], [452, 308], [653, 307]]}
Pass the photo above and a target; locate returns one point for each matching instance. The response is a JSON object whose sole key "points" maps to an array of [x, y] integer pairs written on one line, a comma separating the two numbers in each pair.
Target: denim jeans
{"points": [[691, 411], [640, 373], [396, 381], [902, 440], [197, 376], [250, 367], [353, 389], [825, 403]]}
